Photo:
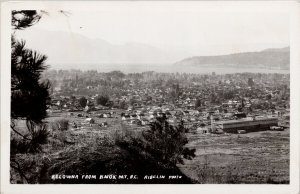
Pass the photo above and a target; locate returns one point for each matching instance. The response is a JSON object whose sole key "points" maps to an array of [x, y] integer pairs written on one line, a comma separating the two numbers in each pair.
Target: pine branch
{"points": [[19, 169], [24, 19], [12, 126]]}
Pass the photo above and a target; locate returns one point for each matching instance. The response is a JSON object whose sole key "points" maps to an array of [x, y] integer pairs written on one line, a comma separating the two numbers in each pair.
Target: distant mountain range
{"points": [[67, 50], [71, 50], [273, 58]]}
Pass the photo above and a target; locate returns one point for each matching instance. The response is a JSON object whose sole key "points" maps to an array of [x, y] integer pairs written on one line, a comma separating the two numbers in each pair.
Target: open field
{"points": [[259, 157], [255, 158]]}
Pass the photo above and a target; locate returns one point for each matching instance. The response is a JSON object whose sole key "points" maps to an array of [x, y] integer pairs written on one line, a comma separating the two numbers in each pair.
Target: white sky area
{"points": [[186, 29], [157, 32]]}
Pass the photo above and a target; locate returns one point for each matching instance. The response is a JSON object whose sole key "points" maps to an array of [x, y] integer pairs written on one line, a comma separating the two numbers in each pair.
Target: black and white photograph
{"points": [[141, 92]]}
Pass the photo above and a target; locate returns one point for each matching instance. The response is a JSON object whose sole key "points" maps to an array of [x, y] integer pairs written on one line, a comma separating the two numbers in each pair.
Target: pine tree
{"points": [[29, 95], [167, 142]]}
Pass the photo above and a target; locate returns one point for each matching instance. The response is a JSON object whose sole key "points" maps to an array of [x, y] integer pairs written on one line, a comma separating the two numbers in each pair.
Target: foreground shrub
{"points": [[103, 157], [126, 152], [162, 143]]}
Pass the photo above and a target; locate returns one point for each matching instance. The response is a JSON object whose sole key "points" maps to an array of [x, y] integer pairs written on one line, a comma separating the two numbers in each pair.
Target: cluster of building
{"points": [[211, 103]]}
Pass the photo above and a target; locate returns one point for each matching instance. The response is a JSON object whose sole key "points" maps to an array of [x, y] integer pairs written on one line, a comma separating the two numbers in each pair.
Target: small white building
{"points": [[89, 120], [202, 130]]}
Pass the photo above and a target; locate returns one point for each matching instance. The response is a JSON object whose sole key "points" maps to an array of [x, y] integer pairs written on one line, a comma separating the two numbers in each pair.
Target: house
{"points": [[240, 115], [106, 115], [125, 117], [216, 130], [202, 130], [104, 124], [100, 107], [133, 122], [87, 108], [193, 119], [133, 116], [179, 113], [89, 120], [141, 116], [144, 122]]}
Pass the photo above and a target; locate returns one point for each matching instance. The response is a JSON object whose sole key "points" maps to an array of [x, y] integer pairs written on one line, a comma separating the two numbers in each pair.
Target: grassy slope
{"points": [[261, 157], [89, 150]]}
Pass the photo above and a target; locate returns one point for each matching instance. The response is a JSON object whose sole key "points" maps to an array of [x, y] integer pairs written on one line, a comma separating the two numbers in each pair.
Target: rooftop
{"points": [[249, 119]]}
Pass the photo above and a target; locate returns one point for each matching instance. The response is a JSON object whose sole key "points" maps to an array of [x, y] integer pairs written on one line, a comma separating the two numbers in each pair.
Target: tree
{"points": [[198, 103], [240, 109], [73, 99], [116, 74], [228, 94], [163, 144], [175, 92], [243, 103], [29, 95], [132, 101], [83, 101], [102, 100], [250, 82], [213, 97], [123, 105], [167, 142]]}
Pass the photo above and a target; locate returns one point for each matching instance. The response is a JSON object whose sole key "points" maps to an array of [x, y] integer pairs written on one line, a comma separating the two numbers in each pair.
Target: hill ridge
{"points": [[267, 58]]}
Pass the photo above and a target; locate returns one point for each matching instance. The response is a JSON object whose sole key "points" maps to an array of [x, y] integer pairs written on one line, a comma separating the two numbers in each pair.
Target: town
{"points": [[206, 103]]}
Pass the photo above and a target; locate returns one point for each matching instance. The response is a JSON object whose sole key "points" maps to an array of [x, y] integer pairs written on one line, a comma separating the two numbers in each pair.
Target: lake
{"points": [[167, 68]]}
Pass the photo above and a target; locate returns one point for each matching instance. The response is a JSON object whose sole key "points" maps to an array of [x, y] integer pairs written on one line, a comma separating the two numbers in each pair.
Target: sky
{"points": [[188, 30]]}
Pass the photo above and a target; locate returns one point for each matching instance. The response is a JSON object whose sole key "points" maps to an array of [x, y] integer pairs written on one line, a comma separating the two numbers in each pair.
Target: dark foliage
{"points": [[123, 105], [31, 142], [167, 142], [29, 95], [102, 100], [105, 158], [198, 103], [83, 102], [162, 143], [250, 82], [24, 19]]}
